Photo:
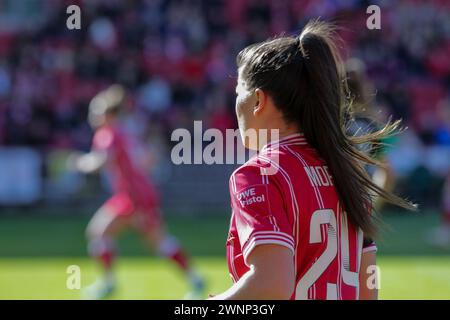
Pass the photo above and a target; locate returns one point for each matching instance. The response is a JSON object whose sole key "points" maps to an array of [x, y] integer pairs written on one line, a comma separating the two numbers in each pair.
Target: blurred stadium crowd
{"points": [[177, 58]]}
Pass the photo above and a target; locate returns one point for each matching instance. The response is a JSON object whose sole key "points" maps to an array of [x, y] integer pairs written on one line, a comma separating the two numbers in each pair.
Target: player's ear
{"points": [[261, 101]]}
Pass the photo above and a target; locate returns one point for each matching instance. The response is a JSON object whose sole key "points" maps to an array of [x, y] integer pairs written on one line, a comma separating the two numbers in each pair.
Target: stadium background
{"points": [[177, 58]]}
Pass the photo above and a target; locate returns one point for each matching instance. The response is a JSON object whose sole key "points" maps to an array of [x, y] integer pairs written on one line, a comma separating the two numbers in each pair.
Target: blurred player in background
{"points": [[365, 120], [299, 233], [134, 203]]}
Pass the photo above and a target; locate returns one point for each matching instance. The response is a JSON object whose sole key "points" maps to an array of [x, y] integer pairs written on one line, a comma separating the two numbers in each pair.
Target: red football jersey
{"points": [[296, 207], [123, 170]]}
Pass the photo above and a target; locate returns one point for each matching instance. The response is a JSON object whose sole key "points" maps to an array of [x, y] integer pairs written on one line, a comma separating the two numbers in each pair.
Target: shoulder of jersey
{"points": [[250, 173]]}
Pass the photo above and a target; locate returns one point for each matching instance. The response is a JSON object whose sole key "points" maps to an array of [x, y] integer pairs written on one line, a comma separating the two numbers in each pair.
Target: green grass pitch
{"points": [[35, 252]]}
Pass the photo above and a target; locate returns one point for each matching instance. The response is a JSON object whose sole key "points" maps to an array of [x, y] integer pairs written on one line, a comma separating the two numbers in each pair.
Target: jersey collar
{"points": [[296, 138]]}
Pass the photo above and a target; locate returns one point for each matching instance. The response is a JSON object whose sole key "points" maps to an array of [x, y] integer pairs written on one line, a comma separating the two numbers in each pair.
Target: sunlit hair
{"points": [[305, 78]]}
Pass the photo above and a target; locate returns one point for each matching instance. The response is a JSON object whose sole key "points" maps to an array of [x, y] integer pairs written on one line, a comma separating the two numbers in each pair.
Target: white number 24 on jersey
{"points": [[328, 217]]}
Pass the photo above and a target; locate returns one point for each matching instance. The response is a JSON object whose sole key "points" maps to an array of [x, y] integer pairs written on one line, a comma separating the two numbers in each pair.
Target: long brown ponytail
{"points": [[304, 77]]}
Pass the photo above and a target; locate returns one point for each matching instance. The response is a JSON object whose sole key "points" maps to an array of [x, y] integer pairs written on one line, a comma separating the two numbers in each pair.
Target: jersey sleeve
{"points": [[369, 245], [259, 211]]}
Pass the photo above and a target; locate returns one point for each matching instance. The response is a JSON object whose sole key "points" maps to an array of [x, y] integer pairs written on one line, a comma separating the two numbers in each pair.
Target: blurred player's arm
{"points": [[385, 179], [89, 162], [368, 276], [271, 276]]}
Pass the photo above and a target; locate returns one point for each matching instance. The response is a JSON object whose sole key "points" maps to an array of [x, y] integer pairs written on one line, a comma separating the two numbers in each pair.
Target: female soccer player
{"points": [[298, 233], [134, 203]]}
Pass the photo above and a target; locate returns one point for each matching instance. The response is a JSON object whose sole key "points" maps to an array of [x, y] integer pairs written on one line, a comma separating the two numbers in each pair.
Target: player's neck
{"points": [[278, 135], [283, 133]]}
